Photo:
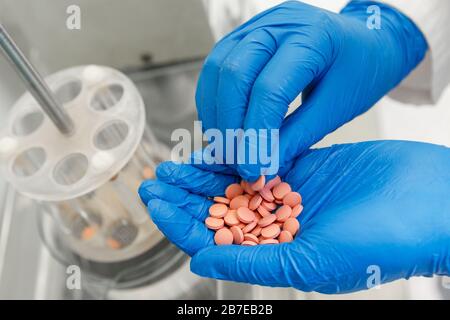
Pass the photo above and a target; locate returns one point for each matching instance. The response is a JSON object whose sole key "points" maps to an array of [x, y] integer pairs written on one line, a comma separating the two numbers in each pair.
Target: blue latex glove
{"points": [[341, 66], [383, 204]]}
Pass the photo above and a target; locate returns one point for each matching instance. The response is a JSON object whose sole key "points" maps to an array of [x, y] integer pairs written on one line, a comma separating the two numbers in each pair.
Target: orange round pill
{"points": [[247, 208], [256, 231], [285, 236], [248, 228], [263, 212], [221, 200], [239, 201], [271, 231], [231, 218], [238, 235], [255, 202], [267, 220], [269, 241], [296, 211], [218, 210], [233, 190], [283, 213], [245, 215], [281, 190], [214, 223], [266, 194], [292, 199], [246, 186], [88, 233], [269, 206], [250, 237], [272, 183], [292, 225], [258, 184], [113, 244], [223, 237], [148, 173]]}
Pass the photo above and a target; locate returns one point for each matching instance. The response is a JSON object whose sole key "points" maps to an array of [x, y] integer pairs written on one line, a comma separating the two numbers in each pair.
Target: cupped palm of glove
{"points": [[367, 206]]}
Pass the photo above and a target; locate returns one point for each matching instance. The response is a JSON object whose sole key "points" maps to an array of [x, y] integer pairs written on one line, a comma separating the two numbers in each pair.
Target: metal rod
{"points": [[35, 84]]}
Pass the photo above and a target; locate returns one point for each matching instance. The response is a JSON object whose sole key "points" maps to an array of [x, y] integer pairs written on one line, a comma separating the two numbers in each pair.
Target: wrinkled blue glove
{"points": [[384, 204], [341, 66]]}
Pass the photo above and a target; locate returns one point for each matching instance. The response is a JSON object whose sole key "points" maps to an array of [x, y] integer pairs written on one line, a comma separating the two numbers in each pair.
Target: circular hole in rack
{"points": [[85, 226], [122, 233], [71, 169], [107, 97], [28, 124], [29, 162], [68, 91], [111, 135]]}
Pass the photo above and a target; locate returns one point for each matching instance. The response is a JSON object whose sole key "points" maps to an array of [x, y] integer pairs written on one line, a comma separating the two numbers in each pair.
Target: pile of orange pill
{"points": [[255, 213]]}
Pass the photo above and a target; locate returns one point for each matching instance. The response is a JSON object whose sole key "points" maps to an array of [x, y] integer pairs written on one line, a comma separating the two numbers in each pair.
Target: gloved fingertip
{"points": [[181, 228], [166, 170], [162, 213], [262, 264], [228, 262], [202, 262], [249, 173], [270, 177], [158, 208], [144, 190]]}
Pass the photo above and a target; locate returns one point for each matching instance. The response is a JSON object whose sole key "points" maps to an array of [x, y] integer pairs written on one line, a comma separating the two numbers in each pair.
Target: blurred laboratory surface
{"points": [[160, 46]]}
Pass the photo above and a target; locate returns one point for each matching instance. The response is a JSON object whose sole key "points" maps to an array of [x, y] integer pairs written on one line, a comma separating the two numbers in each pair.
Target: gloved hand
{"points": [[367, 206], [341, 66]]}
